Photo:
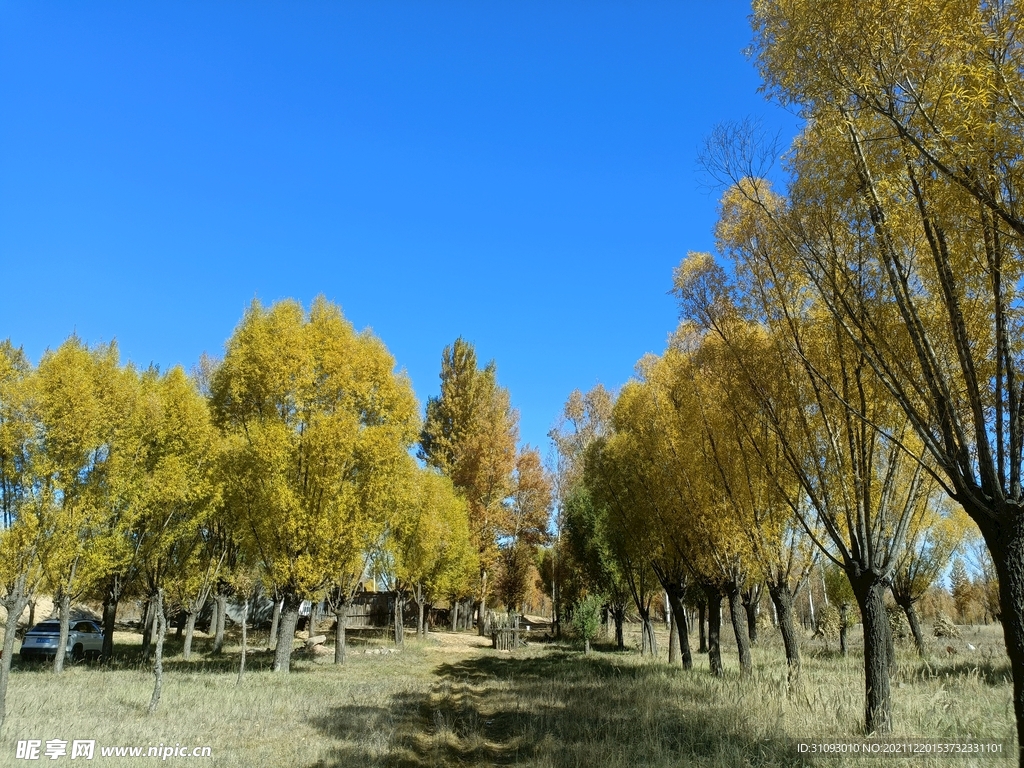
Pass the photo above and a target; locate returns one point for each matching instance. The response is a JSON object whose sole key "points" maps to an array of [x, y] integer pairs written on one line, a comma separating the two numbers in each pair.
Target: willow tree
{"points": [[860, 474], [319, 422], [936, 533], [649, 432], [913, 140], [663, 491], [746, 455], [611, 480], [683, 423]]}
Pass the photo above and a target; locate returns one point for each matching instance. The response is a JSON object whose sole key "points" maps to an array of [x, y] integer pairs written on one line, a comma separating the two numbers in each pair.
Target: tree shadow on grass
{"points": [[560, 709]]}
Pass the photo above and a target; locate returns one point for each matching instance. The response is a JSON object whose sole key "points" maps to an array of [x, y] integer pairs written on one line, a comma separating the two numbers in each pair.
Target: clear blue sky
{"points": [[519, 173]]}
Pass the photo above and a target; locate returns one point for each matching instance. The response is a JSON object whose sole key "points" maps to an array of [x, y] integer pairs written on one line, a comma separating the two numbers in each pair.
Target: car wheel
{"points": [[78, 652]]}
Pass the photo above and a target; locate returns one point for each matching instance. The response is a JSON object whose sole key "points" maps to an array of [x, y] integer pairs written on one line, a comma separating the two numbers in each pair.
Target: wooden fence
{"points": [[504, 631]]}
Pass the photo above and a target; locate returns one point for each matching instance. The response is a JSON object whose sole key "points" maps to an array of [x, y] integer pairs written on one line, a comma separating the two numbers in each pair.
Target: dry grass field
{"points": [[450, 700]]}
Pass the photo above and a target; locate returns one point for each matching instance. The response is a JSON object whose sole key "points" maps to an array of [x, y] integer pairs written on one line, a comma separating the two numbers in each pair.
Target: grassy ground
{"points": [[450, 701]]}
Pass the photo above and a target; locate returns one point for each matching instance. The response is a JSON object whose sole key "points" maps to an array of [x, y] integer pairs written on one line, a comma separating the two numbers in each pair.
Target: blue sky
{"points": [[523, 174]]}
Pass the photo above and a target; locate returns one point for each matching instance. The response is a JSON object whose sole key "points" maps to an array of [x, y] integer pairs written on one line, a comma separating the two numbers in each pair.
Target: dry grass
{"points": [[448, 701]]}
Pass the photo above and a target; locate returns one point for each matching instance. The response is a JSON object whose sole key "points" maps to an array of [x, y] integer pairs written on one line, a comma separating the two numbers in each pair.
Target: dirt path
{"points": [[457, 642]]}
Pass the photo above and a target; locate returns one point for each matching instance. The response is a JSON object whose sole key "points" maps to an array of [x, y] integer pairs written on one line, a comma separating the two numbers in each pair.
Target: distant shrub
{"points": [[828, 623], [944, 627], [586, 619], [898, 623]]}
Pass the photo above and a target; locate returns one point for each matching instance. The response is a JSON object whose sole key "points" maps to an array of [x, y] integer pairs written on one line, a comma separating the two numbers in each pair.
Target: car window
{"points": [[50, 626], [83, 626]]}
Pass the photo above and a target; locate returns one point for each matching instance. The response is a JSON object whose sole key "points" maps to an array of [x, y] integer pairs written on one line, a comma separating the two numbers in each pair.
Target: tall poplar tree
{"points": [[470, 434]]}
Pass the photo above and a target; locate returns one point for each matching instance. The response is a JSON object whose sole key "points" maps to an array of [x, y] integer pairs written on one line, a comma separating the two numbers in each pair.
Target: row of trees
{"points": [[856, 369], [711, 477], [902, 231], [284, 469]]}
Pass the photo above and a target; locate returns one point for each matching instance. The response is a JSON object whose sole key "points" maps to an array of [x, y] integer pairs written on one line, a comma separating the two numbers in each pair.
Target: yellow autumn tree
{"points": [[82, 397], [689, 418], [429, 546], [860, 471], [747, 459], [22, 500], [319, 424], [912, 150], [936, 534], [470, 435]]}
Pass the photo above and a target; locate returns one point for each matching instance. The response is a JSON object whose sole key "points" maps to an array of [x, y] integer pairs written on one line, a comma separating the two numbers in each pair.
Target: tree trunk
{"points": [[455, 615], [714, 608], [751, 610], [275, 622], [556, 619], [286, 632], [241, 662], [158, 665], [421, 629], [619, 616], [64, 606], [915, 626], [221, 601], [844, 617], [211, 629], [314, 619], [673, 640], [648, 643], [752, 603], [190, 630], [14, 602], [147, 627], [702, 620], [31, 613], [890, 646], [738, 617], [341, 624], [110, 601], [810, 607], [675, 601], [182, 617], [399, 626], [782, 601], [870, 592], [1007, 549], [586, 646]]}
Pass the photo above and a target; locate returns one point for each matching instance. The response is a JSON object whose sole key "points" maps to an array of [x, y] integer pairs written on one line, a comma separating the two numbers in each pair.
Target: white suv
{"points": [[85, 640]]}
